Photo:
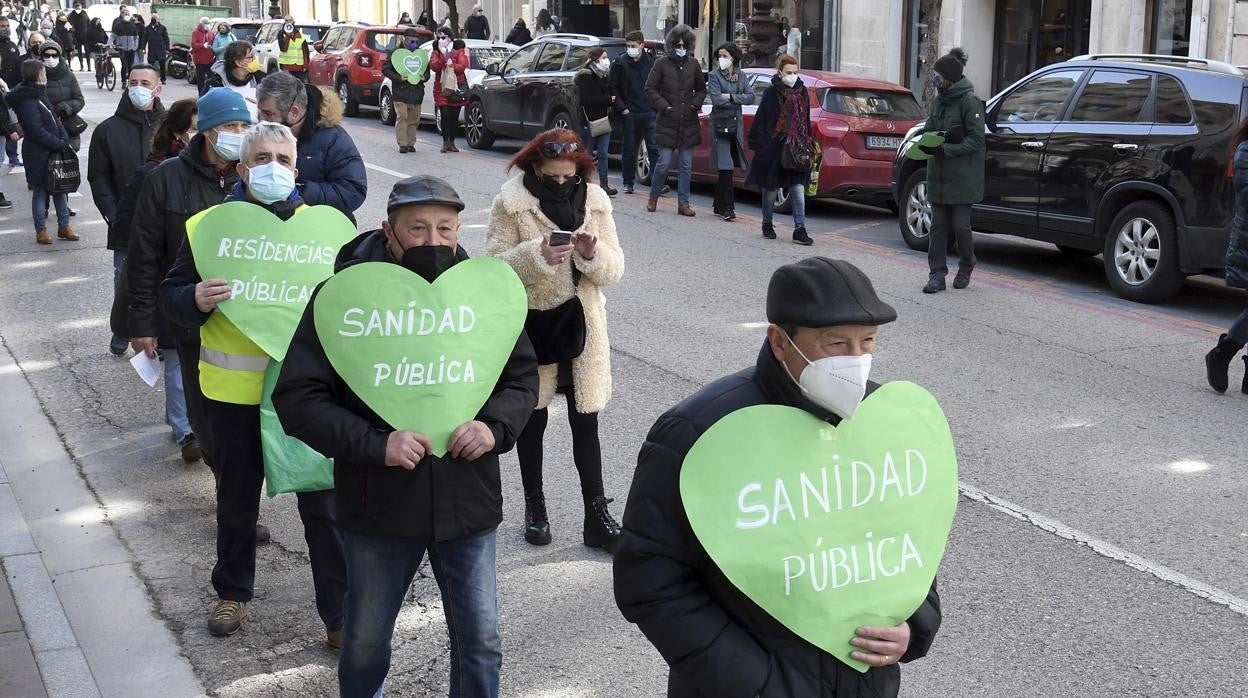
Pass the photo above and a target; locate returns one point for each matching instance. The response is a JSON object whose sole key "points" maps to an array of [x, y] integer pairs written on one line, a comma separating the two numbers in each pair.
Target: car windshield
{"points": [[245, 32], [483, 58], [310, 33], [383, 42], [873, 104]]}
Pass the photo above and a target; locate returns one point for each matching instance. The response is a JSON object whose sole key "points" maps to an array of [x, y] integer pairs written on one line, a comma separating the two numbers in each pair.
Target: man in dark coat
{"points": [[79, 20], [406, 96], [157, 45], [395, 499], [200, 177], [331, 171], [629, 73], [677, 90], [10, 72], [955, 172], [477, 26], [118, 148], [718, 642]]}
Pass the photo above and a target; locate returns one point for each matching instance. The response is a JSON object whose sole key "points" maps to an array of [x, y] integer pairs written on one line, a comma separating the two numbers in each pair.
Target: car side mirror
{"points": [[494, 69], [319, 46]]}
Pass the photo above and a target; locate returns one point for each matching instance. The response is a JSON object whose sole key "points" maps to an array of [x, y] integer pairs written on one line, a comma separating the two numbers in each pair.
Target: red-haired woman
{"points": [[782, 119], [554, 194]]}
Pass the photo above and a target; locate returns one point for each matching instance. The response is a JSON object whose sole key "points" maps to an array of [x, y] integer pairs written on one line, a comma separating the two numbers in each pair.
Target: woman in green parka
{"points": [[955, 172]]}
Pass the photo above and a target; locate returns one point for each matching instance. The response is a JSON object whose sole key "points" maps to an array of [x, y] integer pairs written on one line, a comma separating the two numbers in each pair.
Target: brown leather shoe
{"points": [[67, 233], [685, 210], [652, 204], [41, 237]]}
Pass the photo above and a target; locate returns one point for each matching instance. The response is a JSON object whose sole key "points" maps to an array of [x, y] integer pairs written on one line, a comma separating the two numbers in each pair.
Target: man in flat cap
{"points": [[824, 315], [396, 501]]}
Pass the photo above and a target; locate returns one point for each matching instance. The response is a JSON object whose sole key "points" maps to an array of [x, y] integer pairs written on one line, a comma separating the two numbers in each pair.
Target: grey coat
{"points": [[724, 111]]}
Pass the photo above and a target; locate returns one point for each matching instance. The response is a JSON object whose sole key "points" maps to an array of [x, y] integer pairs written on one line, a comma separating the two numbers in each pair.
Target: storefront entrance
{"points": [[764, 29], [1034, 33]]}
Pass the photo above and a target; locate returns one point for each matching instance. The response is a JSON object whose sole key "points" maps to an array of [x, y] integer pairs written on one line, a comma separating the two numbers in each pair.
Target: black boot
{"points": [[1243, 388], [1218, 360], [601, 530], [536, 525]]}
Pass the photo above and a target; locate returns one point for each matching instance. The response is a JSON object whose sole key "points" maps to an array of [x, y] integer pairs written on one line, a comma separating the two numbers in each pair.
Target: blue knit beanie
{"points": [[221, 105]]}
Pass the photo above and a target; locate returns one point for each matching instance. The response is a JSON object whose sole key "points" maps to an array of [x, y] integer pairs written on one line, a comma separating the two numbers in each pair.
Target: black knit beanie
{"points": [[950, 67]]}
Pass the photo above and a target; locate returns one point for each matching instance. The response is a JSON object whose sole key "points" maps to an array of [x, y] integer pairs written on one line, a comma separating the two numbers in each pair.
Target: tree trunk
{"points": [[930, 49], [452, 16]]}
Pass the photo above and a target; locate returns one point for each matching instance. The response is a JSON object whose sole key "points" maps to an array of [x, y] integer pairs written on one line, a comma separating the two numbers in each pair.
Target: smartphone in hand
{"points": [[560, 237]]}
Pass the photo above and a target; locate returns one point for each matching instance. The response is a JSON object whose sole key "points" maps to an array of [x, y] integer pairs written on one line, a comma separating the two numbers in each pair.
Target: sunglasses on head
{"points": [[551, 149]]}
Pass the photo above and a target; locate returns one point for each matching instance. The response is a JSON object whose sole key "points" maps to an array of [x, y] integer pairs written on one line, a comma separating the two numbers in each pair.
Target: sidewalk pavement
{"points": [[75, 620]]}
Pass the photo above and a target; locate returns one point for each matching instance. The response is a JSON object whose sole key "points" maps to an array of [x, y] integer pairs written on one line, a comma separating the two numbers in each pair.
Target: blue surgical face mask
{"points": [[140, 96], [270, 182], [936, 80], [228, 145], [680, 53]]}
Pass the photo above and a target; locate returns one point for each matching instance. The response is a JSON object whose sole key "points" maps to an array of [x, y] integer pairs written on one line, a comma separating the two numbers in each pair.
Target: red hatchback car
{"points": [[859, 124], [349, 59]]}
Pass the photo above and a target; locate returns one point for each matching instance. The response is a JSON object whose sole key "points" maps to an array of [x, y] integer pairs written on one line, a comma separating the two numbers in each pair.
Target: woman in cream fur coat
{"points": [[553, 192]]}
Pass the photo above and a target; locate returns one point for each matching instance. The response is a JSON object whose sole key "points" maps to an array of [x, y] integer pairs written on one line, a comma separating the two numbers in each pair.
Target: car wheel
{"points": [[350, 106], [560, 119], [914, 215], [643, 164], [1075, 252], [475, 131], [386, 108], [1142, 253]]}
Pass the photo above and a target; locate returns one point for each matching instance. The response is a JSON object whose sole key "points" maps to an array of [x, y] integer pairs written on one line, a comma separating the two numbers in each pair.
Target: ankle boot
{"points": [[601, 530], [1218, 360], [536, 525]]}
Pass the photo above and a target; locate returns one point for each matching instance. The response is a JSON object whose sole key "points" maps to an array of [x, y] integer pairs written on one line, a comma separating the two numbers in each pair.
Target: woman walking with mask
{"points": [[597, 98], [564, 278], [729, 92], [451, 55], [1218, 360], [782, 123]]}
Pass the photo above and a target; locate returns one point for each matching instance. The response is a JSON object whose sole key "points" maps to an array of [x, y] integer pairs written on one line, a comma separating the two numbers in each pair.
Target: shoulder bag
{"points": [[74, 125], [64, 175], [558, 334], [597, 127]]}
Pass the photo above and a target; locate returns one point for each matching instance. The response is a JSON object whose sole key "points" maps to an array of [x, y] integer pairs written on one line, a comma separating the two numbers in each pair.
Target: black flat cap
{"points": [[423, 189], [822, 292]]}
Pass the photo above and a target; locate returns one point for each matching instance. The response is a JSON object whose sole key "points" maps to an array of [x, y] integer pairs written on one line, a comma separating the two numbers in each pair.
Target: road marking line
{"points": [[386, 170], [1107, 550]]}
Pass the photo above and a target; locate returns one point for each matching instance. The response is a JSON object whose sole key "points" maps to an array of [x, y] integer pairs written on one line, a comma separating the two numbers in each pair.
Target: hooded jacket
{"points": [[119, 147], [956, 175], [677, 90], [443, 498], [331, 171], [718, 642], [176, 190], [1237, 250], [63, 89], [41, 127]]}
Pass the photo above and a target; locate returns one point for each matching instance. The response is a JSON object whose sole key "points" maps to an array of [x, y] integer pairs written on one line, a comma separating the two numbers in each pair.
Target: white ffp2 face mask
{"points": [[725, 63], [835, 383], [790, 79]]}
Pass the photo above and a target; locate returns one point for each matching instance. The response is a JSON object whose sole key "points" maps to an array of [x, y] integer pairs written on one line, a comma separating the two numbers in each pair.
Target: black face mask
{"points": [[561, 191], [429, 261]]}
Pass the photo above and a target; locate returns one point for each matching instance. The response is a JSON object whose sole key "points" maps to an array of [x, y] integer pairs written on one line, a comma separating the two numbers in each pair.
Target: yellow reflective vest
{"points": [[293, 55]]}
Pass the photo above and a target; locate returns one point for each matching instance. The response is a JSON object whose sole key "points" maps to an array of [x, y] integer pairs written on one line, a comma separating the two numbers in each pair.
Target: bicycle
{"points": [[105, 71]]}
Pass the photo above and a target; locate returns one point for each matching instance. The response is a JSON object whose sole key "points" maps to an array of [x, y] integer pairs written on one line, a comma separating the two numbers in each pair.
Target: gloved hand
{"points": [[932, 150], [955, 135]]}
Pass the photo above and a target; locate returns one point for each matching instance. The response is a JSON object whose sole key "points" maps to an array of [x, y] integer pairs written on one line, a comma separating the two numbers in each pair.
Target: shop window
{"points": [[1113, 97], [1172, 20], [764, 30]]}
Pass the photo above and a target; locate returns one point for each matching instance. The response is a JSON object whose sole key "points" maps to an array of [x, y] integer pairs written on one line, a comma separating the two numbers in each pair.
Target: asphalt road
{"points": [[1101, 549]]}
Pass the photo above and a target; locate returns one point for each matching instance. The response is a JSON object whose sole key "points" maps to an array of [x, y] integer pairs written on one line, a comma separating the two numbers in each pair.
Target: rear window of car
{"points": [[483, 58], [311, 33], [872, 104], [381, 41], [245, 32]]}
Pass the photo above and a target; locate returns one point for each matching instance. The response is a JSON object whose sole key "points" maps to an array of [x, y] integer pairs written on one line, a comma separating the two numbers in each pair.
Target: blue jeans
{"points": [[797, 197], [599, 144], [1239, 328], [638, 127], [175, 397], [659, 175], [39, 208], [10, 149], [379, 572]]}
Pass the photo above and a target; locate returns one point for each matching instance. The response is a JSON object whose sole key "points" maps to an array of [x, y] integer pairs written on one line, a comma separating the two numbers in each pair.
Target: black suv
{"points": [[533, 91], [1122, 155]]}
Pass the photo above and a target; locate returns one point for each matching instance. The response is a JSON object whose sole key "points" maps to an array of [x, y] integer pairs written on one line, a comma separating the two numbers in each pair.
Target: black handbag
{"points": [[725, 124], [558, 334], [798, 154], [74, 125], [64, 175]]}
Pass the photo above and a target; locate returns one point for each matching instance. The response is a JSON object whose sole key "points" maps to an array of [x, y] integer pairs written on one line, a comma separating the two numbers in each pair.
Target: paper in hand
{"points": [[147, 368]]}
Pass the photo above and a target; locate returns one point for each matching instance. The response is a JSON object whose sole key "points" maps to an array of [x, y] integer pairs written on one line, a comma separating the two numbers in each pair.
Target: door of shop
{"points": [[1034, 33]]}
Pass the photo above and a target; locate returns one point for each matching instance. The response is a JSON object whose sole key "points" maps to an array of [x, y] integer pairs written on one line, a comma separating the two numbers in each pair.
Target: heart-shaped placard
{"points": [[272, 265], [411, 64], [425, 357], [827, 528]]}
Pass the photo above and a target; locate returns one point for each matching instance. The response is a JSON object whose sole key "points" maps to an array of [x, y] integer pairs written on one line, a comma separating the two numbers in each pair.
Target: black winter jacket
{"points": [[629, 77], [157, 43], [79, 19], [442, 499], [119, 239], [176, 190], [476, 27], [677, 90], [402, 90], [41, 127], [10, 63], [63, 89], [765, 171], [118, 147], [519, 36], [594, 94], [719, 643], [1237, 250]]}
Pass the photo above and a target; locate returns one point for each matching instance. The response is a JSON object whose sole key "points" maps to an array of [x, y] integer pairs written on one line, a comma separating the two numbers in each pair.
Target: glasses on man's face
{"points": [[551, 149]]}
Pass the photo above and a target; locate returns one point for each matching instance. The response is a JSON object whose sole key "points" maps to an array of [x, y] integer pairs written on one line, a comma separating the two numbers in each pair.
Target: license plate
{"points": [[884, 142]]}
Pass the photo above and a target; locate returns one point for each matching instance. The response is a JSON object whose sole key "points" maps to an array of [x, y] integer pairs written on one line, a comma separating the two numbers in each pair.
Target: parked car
{"points": [[481, 53], [532, 90], [242, 28], [267, 49], [1122, 155], [858, 125], [349, 57]]}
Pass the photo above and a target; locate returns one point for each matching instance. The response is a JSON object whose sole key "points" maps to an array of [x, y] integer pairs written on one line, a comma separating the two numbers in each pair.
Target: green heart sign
{"points": [[272, 265], [411, 64], [425, 357], [827, 528]]}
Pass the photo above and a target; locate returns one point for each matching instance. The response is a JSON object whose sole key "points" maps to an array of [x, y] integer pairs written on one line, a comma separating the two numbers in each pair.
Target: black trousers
{"points": [[240, 465], [202, 71], [586, 449], [188, 355], [947, 219], [127, 60], [84, 54], [725, 200], [450, 124]]}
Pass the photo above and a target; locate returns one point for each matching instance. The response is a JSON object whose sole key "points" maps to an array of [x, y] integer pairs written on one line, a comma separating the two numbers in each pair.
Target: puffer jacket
{"points": [[331, 171], [595, 93], [514, 234], [119, 147], [677, 90], [63, 89], [717, 641], [42, 129], [459, 62], [201, 45], [1237, 252], [956, 174]]}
